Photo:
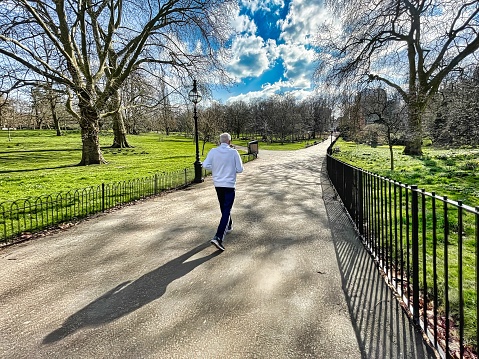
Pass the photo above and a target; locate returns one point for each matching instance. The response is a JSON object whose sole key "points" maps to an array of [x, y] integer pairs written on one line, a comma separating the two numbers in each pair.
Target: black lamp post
{"points": [[195, 97]]}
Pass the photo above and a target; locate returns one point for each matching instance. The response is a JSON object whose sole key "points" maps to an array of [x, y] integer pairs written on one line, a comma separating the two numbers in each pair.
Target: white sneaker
{"points": [[218, 243]]}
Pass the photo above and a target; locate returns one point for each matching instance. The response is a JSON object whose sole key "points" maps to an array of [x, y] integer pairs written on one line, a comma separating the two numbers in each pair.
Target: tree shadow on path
{"points": [[130, 296]]}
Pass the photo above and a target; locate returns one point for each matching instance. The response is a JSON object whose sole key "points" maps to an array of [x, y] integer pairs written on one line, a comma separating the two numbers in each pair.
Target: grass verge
{"points": [[448, 172]]}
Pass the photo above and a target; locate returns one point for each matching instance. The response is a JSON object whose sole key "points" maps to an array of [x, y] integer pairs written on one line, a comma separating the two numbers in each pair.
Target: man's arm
{"points": [[207, 163], [238, 163]]}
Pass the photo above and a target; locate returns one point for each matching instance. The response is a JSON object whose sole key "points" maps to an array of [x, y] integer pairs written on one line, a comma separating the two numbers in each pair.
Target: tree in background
{"points": [[165, 110], [237, 116], [7, 114], [209, 122], [386, 114], [414, 42], [351, 120], [260, 114], [54, 97], [184, 123], [40, 109], [456, 111], [322, 115], [279, 121], [45, 100], [138, 101], [292, 121]]}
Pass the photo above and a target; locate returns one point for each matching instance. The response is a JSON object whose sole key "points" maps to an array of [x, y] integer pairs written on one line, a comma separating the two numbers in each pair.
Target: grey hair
{"points": [[225, 137]]}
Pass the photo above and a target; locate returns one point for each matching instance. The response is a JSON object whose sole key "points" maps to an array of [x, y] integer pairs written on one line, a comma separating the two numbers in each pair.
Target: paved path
{"points": [[143, 281]]}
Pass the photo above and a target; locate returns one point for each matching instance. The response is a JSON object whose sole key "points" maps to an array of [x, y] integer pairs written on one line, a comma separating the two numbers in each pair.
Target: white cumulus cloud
{"points": [[252, 56], [302, 22], [299, 65], [263, 5], [243, 24]]}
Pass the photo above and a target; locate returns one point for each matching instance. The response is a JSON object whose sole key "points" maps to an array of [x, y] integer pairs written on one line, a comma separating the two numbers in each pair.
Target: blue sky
{"points": [[272, 53]]}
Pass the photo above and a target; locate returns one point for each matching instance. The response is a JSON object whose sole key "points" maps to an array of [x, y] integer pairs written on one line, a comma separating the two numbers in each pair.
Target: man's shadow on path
{"points": [[130, 296]]}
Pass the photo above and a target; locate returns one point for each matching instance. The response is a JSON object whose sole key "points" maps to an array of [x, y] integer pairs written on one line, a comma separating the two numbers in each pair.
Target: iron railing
{"points": [[427, 246], [20, 218]]}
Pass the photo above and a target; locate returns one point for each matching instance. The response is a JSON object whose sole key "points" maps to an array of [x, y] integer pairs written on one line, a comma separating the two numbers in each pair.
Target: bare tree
{"points": [[39, 107], [54, 97], [184, 121], [290, 115], [138, 103], [45, 100], [165, 107], [94, 46], [7, 115], [352, 120], [456, 110], [323, 114], [237, 116], [260, 124], [401, 41], [387, 113], [209, 123]]}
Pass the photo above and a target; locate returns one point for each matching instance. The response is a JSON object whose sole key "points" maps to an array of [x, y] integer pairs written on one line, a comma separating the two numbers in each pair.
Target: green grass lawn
{"points": [[448, 172], [35, 163]]}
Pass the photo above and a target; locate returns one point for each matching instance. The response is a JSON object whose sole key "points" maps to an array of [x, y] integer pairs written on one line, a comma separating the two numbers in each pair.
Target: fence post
{"points": [[103, 197], [360, 203], [461, 276], [415, 252], [4, 223], [186, 177], [156, 183]]}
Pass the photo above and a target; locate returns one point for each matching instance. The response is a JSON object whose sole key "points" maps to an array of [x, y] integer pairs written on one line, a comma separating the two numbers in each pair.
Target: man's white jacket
{"points": [[224, 162]]}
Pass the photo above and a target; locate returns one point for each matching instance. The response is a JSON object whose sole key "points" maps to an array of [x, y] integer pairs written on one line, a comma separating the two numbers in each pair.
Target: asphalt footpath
{"points": [[143, 281]]}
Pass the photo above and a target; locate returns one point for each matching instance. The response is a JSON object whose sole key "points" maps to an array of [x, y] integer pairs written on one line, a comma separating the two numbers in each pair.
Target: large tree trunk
{"points": [[119, 130], [414, 139], [89, 123], [413, 147]]}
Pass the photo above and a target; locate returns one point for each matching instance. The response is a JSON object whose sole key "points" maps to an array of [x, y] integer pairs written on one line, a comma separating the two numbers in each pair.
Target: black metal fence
{"points": [[18, 219], [427, 247]]}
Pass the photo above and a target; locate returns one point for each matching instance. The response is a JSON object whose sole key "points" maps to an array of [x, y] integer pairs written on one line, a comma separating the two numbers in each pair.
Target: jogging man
{"points": [[224, 162]]}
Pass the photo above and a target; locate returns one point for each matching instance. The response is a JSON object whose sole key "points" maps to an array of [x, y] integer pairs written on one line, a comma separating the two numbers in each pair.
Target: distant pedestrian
{"points": [[224, 162]]}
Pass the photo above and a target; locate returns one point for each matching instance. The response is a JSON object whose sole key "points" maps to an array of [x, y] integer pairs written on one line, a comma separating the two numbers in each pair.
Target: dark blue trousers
{"points": [[226, 197]]}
